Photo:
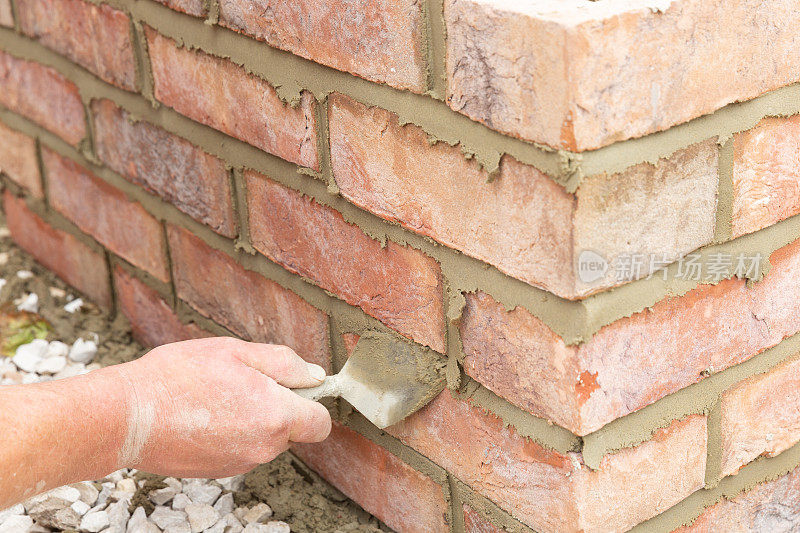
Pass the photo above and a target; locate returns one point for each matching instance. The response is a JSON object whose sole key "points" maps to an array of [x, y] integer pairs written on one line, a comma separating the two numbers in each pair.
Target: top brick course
{"points": [[580, 75]]}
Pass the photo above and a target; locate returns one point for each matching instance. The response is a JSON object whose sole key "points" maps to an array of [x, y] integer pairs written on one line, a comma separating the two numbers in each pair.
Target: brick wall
{"points": [[525, 190]]}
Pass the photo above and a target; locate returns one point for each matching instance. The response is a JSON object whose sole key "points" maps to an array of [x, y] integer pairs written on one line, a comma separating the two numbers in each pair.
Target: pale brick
{"points": [[766, 508], [634, 361], [42, 95], [550, 491], [766, 174], [106, 213], [97, 37], [18, 159], [6, 16], [761, 416], [404, 499], [380, 40], [396, 284], [522, 222], [580, 75], [190, 7], [475, 523], [245, 302], [221, 94]]}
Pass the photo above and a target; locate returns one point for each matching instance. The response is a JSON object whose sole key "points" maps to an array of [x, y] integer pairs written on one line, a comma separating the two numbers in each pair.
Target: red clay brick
{"points": [[197, 183], [580, 75], [18, 159], [475, 523], [522, 222], [122, 226], [42, 95], [401, 497], [97, 37], [380, 40], [190, 7], [399, 285], [766, 174], [245, 302], [70, 259], [218, 93], [761, 416], [634, 361], [550, 491], [153, 321], [768, 507], [6, 16]]}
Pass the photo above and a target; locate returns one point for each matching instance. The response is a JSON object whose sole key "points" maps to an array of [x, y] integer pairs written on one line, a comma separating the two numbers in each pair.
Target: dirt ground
{"points": [[296, 495]]}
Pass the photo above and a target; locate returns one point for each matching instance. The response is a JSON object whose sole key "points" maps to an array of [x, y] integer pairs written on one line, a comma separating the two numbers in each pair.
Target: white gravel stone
{"points": [[24, 274], [164, 517], [95, 522], [201, 493], [29, 303], [226, 524], [180, 501], [55, 348], [174, 483], [126, 485], [224, 504], [260, 512], [88, 492], [231, 483], [66, 493], [29, 355], [183, 527], [201, 516], [12, 511], [140, 524], [16, 524], [162, 496], [271, 527], [118, 516], [74, 305], [83, 351], [81, 508], [51, 365]]}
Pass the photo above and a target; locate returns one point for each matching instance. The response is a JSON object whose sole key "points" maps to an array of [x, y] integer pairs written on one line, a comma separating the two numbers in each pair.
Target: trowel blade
{"points": [[387, 379]]}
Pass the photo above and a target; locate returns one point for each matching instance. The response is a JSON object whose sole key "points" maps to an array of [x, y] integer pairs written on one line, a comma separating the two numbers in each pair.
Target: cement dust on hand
{"points": [[63, 340]]}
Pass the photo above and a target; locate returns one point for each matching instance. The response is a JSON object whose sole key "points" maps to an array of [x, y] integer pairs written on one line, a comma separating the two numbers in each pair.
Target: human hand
{"points": [[217, 407]]}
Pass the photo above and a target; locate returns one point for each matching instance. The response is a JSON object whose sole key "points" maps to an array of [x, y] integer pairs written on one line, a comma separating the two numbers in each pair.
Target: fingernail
{"points": [[316, 371]]}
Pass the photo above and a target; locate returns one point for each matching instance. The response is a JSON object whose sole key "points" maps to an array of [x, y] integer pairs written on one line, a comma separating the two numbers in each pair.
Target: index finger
{"points": [[282, 364]]}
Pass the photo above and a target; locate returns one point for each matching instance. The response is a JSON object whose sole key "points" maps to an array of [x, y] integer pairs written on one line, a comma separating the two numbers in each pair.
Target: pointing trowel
{"points": [[385, 379]]}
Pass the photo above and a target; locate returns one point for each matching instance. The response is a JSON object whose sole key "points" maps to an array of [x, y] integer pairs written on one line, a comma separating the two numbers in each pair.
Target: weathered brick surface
{"points": [[197, 183], [761, 416], [190, 7], [634, 361], [153, 321], [550, 491], [6, 16], [766, 174], [522, 222], [18, 159], [769, 507], [378, 40], [397, 284], [406, 500], [42, 95], [97, 37], [218, 93], [121, 225], [475, 523], [70, 259], [245, 302], [580, 76]]}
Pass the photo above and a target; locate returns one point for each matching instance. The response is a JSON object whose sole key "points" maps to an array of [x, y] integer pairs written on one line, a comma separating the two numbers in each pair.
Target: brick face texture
{"points": [[18, 159], [522, 222], [97, 37], [245, 302], [69, 258], [42, 95], [403, 498], [378, 40], [537, 73], [397, 284], [634, 361], [190, 7], [766, 174], [6, 16], [550, 491], [221, 94], [104, 212], [152, 320], [195, 182]]}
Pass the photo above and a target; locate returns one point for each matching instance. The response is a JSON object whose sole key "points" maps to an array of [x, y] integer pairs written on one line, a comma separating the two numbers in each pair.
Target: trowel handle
{"points": [[329, 387]]}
